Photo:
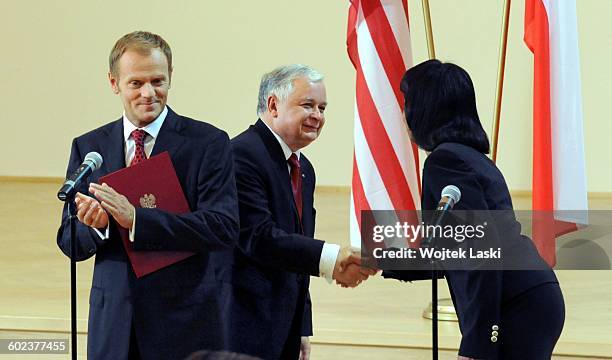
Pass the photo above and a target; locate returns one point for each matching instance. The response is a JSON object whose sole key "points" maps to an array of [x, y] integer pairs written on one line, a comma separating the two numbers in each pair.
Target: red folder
{"points": [[150, 183]]}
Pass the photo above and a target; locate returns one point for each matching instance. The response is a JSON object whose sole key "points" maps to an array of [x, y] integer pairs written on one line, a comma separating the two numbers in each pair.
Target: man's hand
{"points": [[305, 348], [115, 204], [348, 271], [90, 212]]}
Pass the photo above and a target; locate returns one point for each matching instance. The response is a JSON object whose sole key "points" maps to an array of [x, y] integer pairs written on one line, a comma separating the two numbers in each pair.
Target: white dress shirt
{"points": [[330, 252]]}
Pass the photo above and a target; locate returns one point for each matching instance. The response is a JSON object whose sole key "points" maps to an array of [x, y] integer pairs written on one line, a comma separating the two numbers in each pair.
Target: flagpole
{"points": [[431, 51], [500, 78]]}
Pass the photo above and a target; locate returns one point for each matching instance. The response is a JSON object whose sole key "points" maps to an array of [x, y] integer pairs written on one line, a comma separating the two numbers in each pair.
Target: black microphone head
{"points": [[94, 158], [452, 192], [92, 162]]}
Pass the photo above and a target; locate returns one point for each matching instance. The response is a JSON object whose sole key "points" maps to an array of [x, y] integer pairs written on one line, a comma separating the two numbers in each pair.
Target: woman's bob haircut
{"points": [[440, 106]]}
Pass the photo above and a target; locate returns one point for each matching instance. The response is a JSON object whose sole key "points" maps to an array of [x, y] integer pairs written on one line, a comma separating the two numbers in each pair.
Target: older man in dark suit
{"points": [[181, 308], [276, 254]]}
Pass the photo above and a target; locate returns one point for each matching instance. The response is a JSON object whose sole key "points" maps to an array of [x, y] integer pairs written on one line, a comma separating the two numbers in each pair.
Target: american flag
{"points": [[385, 162]]}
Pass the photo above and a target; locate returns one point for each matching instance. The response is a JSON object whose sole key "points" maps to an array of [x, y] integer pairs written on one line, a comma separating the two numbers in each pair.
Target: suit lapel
{"points": [[169, 137], [307, 196], [280, 163], [114, 154]]}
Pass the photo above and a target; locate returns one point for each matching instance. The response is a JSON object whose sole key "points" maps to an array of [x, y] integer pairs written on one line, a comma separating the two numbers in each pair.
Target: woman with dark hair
{"points": [[503, 314]]}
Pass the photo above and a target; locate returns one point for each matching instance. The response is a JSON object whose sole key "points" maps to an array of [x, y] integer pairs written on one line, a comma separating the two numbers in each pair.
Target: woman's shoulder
{"points": [[451, 154], [460, 156], [466, 165]]}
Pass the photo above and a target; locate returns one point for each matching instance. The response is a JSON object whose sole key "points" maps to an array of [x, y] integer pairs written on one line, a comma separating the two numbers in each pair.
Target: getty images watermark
{"points": [[486, 240], [413, 234]]}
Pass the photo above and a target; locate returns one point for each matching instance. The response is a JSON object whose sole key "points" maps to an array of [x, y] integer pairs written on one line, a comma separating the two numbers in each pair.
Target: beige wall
{"points": [[54, 61]]}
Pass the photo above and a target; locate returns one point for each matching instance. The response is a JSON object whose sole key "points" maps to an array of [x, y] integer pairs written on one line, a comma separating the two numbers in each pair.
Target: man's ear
{"points": [[170, 77], [114, 83], [273, 105]]}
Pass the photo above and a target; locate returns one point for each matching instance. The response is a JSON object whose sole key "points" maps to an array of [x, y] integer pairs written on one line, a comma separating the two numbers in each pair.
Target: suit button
{"points": [[495, 327], [494, 333], [493, 338]]}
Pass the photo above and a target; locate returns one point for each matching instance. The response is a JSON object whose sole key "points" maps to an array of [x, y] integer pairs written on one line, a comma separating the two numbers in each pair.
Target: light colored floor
{"points": [[380, 319]]}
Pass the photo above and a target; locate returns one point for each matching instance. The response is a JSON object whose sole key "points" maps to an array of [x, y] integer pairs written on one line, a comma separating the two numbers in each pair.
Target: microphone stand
{"points": [[434, 306], [67, 193], [430, 242], [450, 195], [73, 301]]}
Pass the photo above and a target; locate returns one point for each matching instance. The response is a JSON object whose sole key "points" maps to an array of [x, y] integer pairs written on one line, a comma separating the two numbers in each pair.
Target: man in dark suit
{"points": [[181, 308], [276, 253]]}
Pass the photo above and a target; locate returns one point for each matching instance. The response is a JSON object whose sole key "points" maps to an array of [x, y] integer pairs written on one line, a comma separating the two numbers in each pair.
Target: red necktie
{"points": [[139, 154], [296, 183]]}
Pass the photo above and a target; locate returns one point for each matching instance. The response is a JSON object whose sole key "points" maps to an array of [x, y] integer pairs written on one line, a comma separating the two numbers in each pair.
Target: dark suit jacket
{"points": [[478, 295], [274, 258], [181, 308]]}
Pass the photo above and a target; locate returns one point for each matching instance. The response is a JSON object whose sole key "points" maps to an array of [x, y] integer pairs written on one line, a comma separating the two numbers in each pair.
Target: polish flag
{"points": [[559, 179]]}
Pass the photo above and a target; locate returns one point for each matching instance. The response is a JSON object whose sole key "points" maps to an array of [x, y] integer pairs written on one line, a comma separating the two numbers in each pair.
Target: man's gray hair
{"points": [[279, 82]]}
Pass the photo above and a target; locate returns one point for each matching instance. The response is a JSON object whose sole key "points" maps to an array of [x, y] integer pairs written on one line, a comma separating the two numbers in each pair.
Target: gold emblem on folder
{"points": [[148, 201]]}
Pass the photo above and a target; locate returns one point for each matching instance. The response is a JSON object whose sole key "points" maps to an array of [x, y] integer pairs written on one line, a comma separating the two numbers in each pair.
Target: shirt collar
{"points": [[151, 128], [286, 150]]}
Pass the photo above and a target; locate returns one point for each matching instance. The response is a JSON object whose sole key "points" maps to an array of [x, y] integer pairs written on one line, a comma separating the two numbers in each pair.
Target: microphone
{"points": [[92, 162], [449, 197]]}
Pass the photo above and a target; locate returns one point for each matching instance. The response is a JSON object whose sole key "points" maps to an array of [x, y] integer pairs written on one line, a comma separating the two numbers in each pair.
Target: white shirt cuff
{"points": [[105, 235], [329, 254], [133, 231]]}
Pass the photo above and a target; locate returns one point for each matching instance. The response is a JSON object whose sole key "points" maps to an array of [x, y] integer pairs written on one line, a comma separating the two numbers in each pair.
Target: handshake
{"points": [[348, 271]]}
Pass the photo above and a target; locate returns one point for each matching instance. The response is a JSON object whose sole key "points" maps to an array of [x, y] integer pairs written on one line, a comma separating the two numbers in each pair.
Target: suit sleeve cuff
{"points": [[133, 231], [329, 254], [103, 236]]}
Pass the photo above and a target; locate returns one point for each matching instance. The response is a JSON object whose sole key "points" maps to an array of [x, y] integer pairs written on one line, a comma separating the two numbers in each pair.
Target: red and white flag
{"points": [[385, 162], [559, 179]]}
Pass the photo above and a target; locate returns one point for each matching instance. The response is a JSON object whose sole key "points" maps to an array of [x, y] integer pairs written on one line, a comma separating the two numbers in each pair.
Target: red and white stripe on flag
{"points": [[385, 162], [559, 179]]}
